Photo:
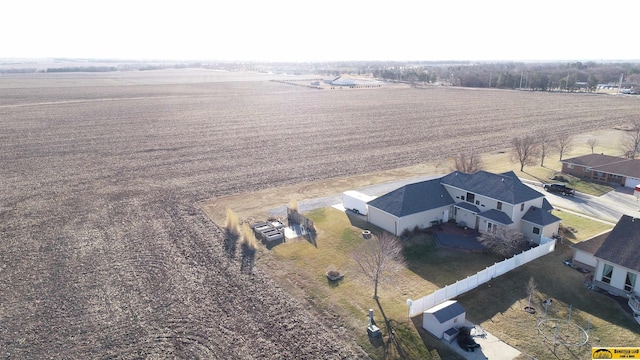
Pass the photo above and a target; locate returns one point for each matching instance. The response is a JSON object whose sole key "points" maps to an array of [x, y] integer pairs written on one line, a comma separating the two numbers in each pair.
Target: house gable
{"points": [[504, 187], [540, 217]]}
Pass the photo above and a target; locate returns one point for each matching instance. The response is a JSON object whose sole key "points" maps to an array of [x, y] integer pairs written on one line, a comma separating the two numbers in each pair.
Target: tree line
{"points": [[516, 75]]}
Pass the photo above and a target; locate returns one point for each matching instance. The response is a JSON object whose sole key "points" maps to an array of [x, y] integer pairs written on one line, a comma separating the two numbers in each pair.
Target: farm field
{"points": [[103, 250]]}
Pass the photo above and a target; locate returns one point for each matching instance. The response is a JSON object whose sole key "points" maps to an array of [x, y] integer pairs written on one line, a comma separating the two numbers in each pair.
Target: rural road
{"points": [[608, 207]]}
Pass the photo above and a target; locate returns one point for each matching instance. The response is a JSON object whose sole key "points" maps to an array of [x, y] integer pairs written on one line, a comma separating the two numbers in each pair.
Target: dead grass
{"points": [[497, 306]]}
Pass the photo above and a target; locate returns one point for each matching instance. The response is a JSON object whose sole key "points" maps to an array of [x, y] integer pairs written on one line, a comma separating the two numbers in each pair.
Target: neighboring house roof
{"points": [[413, 198], [540, 217], [592, 160], [592, 245], [497, 216], [504, 187], [446, 311], [468, 206], [622, 244], [627, 167], [608, 164]]}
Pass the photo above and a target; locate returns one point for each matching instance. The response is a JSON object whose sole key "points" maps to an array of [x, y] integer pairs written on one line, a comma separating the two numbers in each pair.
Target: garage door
{"points": [[632, 182]]}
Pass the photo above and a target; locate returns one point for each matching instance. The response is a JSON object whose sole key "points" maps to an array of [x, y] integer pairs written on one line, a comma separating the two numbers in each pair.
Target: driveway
{"points": [[608, 207], [490, 347]]}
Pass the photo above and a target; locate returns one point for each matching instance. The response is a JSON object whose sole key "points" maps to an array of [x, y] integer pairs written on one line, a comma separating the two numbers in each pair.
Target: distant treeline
{"points": [[82, 69], [545, 76]]}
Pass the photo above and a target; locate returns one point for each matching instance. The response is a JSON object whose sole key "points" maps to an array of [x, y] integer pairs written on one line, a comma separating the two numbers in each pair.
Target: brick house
{"points": [[605, 169]]}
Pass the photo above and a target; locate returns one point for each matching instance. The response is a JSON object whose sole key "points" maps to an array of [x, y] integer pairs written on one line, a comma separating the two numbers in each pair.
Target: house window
{"points": [[536, 230], [499, 207], [570, 166], [477, 202], [522, 207], [586, 169], [471, 198], [630, 282], [606, 273]]}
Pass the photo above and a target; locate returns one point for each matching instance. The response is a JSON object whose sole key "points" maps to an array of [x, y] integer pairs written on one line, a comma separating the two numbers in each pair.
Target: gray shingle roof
{"points": [[540, 217], [592, 245], [497, 216], [546, 205], [627, 167], [591, 160], [622, 245], [413, 198], [467, 206], [504, 187], [449, 312]]}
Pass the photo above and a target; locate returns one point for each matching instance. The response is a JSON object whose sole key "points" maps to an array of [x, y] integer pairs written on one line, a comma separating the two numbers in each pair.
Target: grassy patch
{"points": [[302, 268], [498, 307], [584, 228]]}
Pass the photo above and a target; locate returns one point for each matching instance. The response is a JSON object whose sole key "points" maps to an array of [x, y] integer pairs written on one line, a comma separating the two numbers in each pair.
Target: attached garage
{"points": [[417, 204], [583, 251], [632, 182]]}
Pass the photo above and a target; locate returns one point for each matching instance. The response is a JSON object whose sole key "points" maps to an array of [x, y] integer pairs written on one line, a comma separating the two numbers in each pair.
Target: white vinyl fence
{"points": [[471, 282]]}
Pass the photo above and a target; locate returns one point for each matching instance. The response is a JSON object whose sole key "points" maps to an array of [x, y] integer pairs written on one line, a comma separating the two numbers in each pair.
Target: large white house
{"points": [[483, 201]]}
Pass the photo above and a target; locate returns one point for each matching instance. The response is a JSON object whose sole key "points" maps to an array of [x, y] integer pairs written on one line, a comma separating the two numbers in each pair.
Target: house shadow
{"points": [[357, 220]]}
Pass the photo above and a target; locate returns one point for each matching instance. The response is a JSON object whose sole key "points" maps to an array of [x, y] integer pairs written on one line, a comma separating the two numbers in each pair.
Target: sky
{"points": [[328, 30]]}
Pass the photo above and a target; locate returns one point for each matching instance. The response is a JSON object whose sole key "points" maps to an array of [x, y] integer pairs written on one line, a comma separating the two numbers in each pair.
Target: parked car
{"points": [[465, 340], [559, 188]]}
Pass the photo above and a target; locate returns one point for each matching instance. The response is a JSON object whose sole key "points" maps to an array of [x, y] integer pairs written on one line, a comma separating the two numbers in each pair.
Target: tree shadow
{"points": [[248, 258], [392, 341], [230, 244]]}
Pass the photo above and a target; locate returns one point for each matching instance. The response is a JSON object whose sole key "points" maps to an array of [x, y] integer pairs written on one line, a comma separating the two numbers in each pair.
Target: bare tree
{"points": [[630, 142], [563, 143], [504, 241], [592, 142], [525, 150], [468, 162], [378, 258], [531, 289], [545, 146]]}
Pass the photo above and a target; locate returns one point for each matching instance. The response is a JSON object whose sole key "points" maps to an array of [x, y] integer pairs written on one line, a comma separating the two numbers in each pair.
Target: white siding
{"points": [[422, 220], [585, 258], [618, 277], [631, 182], [432, 325], [382, 220]]}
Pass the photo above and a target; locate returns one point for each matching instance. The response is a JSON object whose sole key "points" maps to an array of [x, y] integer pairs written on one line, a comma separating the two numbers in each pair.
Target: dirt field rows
{"points": [[103, 252]]}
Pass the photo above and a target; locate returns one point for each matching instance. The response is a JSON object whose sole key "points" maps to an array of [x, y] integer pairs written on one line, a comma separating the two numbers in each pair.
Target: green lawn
{"points": [[585, 228]]}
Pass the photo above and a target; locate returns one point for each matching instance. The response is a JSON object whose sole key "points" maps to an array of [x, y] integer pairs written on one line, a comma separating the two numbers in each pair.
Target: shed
{"points": [[440, 318]]}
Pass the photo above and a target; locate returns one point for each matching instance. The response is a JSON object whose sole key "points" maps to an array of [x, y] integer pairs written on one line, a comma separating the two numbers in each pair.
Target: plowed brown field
{"points": [[103, 252]]}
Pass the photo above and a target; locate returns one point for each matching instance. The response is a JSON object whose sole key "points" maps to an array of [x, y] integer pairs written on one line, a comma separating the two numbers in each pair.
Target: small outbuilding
{"points": [[443, 317]]}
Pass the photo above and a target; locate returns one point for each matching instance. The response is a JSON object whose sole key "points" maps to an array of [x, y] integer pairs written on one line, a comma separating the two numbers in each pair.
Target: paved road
{"points": [[608, 207]]}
